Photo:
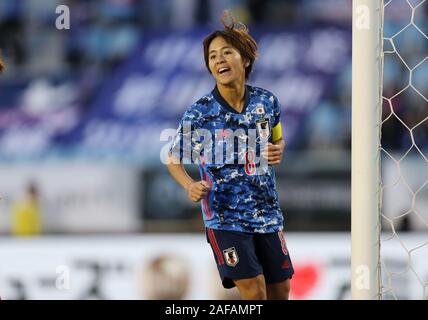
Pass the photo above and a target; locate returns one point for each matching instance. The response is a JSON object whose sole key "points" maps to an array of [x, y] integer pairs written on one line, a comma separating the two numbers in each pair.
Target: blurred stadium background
{"points": [[81, 116]]}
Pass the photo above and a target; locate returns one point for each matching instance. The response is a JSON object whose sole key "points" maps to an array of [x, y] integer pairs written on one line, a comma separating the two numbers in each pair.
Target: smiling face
{"points": [[225, 63]]}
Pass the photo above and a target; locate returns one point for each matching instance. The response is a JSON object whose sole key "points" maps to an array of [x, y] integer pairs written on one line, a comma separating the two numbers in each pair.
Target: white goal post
{"points": [[366, 121]]}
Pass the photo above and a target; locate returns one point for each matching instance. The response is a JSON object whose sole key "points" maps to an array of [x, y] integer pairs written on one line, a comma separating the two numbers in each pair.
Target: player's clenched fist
{"points": [[273, 153], [197, 190]]}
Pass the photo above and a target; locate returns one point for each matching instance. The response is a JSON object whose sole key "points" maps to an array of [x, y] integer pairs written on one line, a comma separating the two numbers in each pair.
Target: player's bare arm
{"points": [[196, 190]]}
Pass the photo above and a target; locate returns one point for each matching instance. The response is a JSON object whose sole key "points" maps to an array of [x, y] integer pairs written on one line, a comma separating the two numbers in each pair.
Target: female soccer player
{"points": [[240, 206]]}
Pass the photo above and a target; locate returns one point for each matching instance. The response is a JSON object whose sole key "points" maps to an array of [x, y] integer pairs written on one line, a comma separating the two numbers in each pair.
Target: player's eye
{"points": [[228, 52]]}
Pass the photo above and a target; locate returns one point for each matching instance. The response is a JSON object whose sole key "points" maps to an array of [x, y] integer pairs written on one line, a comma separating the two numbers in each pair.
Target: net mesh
{"points": [[404, 151]]}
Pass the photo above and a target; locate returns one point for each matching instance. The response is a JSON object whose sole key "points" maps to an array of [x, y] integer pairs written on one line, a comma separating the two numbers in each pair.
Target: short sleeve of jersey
{"points": [[184, 143]]}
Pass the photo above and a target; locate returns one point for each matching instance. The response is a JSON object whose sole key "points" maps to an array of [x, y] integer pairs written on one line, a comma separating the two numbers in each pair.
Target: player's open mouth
{"points": [[223, 70]]}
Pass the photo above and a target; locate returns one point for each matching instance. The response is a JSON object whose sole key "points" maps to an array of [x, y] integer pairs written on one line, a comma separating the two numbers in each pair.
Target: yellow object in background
{"points": [[26, 218], [26, 214]]}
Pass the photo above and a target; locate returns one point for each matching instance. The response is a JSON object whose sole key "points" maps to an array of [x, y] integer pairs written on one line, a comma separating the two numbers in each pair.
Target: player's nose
{"points": [[220, 59]]}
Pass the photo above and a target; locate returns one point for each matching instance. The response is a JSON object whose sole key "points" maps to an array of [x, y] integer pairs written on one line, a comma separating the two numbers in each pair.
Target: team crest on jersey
{"points": [[263, 128], [231, 257], [260, 109]]}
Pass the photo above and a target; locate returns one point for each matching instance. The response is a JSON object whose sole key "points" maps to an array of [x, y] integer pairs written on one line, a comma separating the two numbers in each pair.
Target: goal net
{"points": [[404, 151]]}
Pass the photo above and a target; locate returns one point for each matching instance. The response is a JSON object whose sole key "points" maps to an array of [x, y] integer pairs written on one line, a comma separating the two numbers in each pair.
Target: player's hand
{"points": [[273, 153], [197, 190]]}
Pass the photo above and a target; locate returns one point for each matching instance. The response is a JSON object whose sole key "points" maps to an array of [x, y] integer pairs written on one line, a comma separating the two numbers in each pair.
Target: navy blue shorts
{"points": [[241, 255]]}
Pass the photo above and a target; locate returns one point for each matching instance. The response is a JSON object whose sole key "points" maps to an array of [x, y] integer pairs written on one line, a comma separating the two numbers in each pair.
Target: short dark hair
{"points": [[235, 34]]}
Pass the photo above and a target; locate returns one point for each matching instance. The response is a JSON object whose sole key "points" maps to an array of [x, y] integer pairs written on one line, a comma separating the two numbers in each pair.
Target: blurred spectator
{"points": [[2, 66], [27, 214], [12, 38], [274, 12], [326, 11]]}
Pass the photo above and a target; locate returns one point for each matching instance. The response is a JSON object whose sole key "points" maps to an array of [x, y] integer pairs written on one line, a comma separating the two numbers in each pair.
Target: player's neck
{"points": [[234, 95]]}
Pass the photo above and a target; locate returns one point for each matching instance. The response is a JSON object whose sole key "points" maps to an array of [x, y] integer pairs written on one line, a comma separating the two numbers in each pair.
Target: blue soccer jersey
{"points": [[226, 144]]}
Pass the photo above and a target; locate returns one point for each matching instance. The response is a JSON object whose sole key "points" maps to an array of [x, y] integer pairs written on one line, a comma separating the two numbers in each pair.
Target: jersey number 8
{"points": [[250, 165]]}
